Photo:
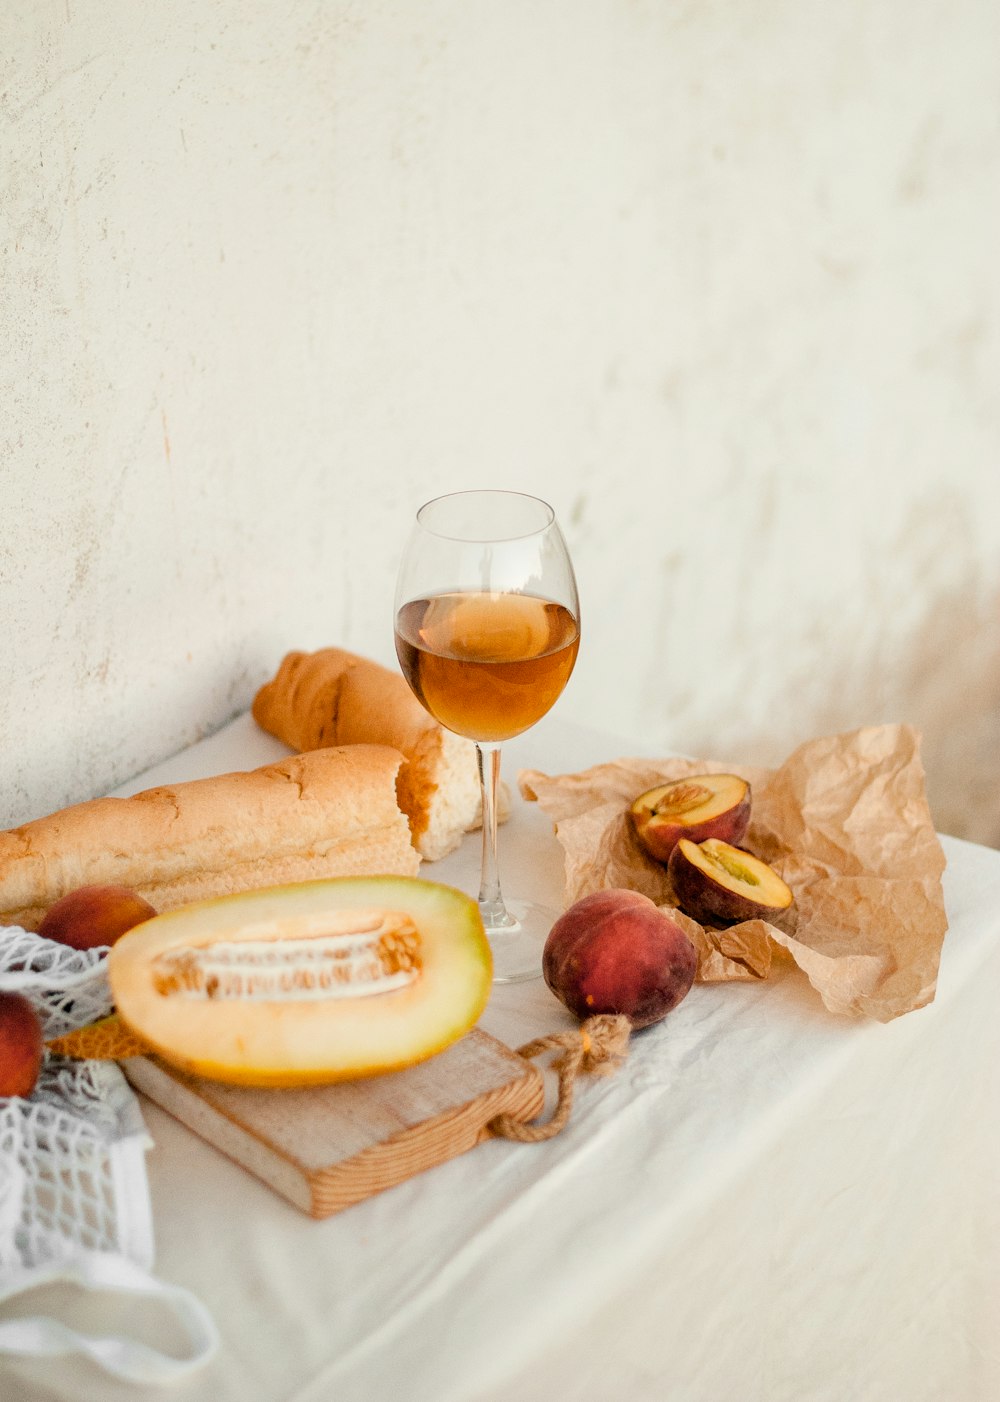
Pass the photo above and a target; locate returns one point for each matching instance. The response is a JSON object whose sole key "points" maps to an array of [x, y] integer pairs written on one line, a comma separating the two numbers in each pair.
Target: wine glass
{"points": [[487, 633]]}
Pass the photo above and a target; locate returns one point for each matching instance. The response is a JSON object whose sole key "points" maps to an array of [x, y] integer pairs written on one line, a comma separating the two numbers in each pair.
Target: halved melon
{"points": [[308, 983]]}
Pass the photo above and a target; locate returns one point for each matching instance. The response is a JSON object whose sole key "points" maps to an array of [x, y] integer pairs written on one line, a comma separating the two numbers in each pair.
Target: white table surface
{"points": [[766, 1203]]}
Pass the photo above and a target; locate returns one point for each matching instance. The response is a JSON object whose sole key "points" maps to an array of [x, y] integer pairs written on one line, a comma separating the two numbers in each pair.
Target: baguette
{"points": [[332, 697], [332, 812]]}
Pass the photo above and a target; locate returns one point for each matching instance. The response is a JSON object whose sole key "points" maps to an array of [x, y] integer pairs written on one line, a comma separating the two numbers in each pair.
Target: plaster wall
{"points": [[718, 279]]}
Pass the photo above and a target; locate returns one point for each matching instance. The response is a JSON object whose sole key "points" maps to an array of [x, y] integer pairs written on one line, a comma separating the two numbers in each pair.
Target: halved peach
{"points": [[704, 806], [715, 882]]}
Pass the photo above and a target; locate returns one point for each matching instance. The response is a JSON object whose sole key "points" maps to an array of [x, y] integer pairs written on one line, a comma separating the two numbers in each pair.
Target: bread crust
{"points": [[334, 697], [328, 812]]}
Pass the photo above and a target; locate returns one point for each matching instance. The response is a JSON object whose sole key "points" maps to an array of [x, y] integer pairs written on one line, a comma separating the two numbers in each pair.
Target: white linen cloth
{"points": [[766, 1202], [74, 1198]]}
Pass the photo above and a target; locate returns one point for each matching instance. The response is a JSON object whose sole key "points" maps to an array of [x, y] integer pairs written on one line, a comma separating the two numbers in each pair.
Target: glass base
{"points": [[517, 948]]}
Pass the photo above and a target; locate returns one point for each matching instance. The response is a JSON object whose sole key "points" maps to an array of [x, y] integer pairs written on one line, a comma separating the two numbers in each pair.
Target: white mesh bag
{"points": [[74, 1199]]}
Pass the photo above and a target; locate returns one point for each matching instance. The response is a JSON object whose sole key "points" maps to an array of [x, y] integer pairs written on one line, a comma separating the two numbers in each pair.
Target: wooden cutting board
{"points": [[326, 1147]]}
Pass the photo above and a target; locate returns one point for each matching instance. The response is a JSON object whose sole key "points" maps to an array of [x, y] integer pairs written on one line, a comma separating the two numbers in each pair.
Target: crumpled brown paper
{"points": [[844, 821]]}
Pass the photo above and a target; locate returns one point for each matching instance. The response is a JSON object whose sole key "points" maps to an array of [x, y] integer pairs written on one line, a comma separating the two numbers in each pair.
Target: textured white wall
{"points": [[719, 279]]}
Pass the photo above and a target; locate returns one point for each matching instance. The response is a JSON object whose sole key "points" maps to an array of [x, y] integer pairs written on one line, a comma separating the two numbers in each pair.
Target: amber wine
{"points": [[486, 665]]}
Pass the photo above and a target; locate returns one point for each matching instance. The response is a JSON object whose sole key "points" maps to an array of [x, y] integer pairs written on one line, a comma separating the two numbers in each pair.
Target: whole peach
{"points": [[92, 916], [615, 952], [20, 1044]]}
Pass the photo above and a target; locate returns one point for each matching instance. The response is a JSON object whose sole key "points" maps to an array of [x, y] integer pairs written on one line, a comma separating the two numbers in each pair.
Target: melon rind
{"points": [[265, 1043]]}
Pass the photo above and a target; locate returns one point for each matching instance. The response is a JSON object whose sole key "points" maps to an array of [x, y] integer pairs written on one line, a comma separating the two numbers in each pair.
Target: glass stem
{"points": [[495, 914]]}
